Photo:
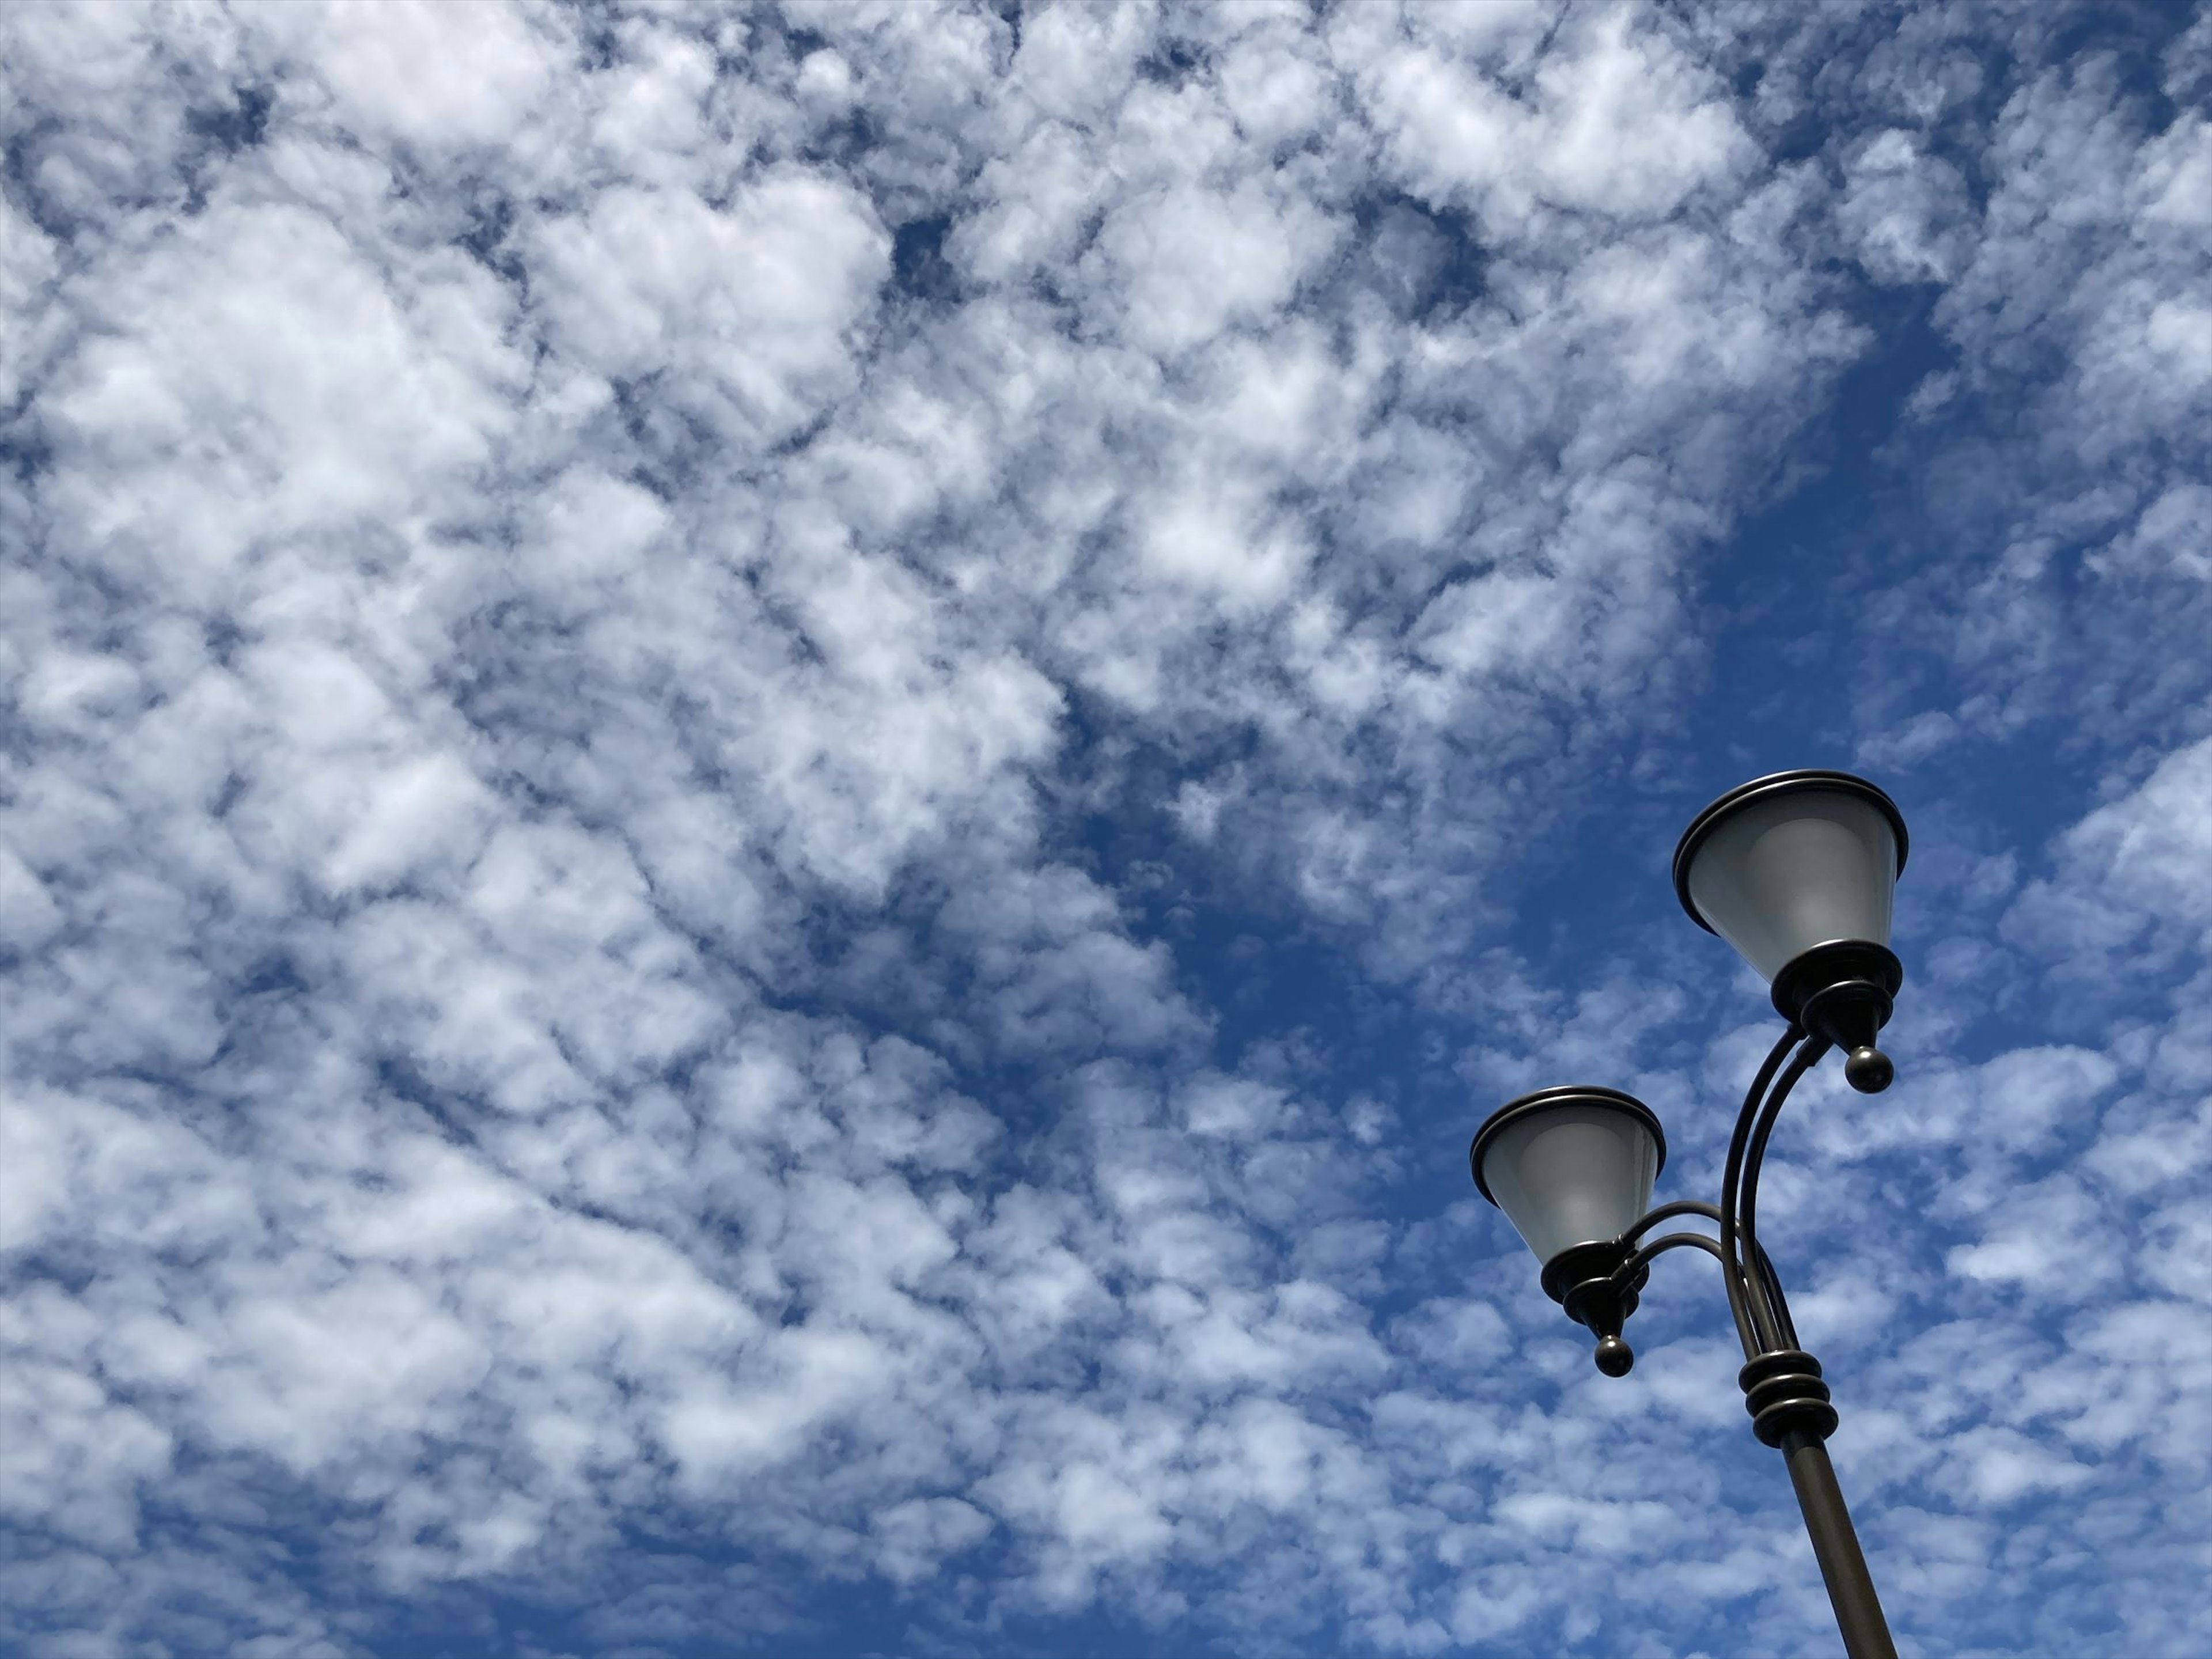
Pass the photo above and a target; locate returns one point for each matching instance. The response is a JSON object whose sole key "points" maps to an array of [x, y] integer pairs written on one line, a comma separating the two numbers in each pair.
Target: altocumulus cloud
{"points": [[777, 782]]}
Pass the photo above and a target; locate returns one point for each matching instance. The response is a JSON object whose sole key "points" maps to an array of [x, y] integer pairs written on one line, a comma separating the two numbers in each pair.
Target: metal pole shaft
{"points": [[1850, 1588]]}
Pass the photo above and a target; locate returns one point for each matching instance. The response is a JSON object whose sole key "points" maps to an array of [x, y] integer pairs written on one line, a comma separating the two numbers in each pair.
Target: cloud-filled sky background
{"points": [[778, 784]]}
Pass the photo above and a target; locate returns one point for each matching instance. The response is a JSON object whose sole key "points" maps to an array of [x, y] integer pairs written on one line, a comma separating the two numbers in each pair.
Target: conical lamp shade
{"points": [[1787, 862], [1569, 1166]]}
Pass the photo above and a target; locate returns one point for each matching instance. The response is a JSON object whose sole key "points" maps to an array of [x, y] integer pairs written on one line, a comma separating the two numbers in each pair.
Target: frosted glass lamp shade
{"points": [[1784, 863], [1569, 1166]]}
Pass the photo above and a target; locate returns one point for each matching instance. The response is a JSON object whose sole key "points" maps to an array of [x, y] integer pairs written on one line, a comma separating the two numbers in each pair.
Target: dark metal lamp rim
{"points": [[1806, 779], [1522, 1106]]}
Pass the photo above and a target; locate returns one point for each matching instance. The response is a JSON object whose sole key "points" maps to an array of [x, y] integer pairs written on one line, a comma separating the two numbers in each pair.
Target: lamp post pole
{"points": [[1835, 1546], [1795, 870]]}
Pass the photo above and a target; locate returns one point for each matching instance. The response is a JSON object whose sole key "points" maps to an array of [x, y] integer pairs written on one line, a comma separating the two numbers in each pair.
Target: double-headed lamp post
{"points": [[1796, 871]]}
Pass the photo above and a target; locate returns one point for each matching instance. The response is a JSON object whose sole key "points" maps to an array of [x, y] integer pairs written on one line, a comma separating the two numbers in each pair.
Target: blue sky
{"points": [[779, 783]]}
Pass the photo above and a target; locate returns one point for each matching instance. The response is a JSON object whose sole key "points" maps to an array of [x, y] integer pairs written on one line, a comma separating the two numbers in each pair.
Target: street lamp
{"points": [[1796, 871]]}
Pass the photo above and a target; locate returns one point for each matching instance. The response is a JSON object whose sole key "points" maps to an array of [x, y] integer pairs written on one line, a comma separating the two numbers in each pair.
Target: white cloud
{"points": [[1619, 121], [1904, 210], [2133, 866], [1189, 262], [75, 1457], [421, 74], [230, 435], [750, 311]]}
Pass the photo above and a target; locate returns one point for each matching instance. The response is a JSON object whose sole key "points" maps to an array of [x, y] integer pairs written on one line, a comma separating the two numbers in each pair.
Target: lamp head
{"points": [[1569, 1166], [1573, 1169], [1797, 872]]}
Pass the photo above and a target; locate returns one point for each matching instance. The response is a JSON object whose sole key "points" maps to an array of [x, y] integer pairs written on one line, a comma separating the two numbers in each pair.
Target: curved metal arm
{"points": [[1640, 1260], [1658, 1213], [1776, 1299], [1747, 1204], [1756, 1302], [1755, 1154], [1601, 1280], [1636, 1264], [1754, 1322]]}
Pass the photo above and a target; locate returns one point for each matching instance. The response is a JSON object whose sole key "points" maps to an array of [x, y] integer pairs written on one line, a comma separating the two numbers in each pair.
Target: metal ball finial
{"points": [[1868, 1070], [1614, 1357]]}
